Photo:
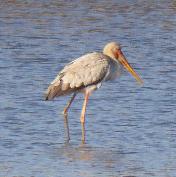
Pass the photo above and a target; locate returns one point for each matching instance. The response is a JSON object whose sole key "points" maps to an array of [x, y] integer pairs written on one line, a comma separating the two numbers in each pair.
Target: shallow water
{"points": [[130, 129]]}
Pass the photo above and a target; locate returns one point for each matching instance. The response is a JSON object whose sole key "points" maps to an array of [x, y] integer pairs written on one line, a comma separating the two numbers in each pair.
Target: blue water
{"points": [[130, 130]]}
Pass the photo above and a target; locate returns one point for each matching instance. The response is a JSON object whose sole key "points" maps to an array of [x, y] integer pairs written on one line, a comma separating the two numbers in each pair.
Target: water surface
{"points": [[130, 129]]}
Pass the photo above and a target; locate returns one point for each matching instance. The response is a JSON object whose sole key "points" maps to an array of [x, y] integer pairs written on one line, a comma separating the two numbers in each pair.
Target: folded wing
{"points": [[87, 70]]}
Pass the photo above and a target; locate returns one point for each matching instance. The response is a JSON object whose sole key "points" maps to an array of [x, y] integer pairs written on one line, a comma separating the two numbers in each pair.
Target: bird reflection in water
{"points": [[106, 159]]}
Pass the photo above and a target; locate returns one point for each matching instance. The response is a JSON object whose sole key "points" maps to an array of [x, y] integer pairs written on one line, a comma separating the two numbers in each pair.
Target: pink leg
{"points": [[82, 118], [65, 116], [69, 104]]}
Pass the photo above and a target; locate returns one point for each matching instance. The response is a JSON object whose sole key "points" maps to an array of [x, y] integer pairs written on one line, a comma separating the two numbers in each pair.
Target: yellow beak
{"points": [[121, 58]]}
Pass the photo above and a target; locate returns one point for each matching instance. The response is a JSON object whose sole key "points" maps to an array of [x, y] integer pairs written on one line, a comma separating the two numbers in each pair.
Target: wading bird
{"points": [[87, 73]]}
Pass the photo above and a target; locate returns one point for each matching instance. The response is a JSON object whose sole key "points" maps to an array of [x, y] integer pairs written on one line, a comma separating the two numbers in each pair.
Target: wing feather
{"points": [[84, 71]]}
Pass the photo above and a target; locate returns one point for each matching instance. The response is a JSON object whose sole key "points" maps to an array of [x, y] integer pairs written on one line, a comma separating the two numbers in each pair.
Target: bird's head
{"points": [[113, 50]]}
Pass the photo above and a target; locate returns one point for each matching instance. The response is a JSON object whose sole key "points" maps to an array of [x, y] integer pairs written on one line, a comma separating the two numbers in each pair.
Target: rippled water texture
{"points": [[131, 130]]}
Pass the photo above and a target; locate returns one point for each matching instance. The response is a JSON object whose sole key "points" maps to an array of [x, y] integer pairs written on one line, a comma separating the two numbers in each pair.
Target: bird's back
{"points": [[87, 70]]}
